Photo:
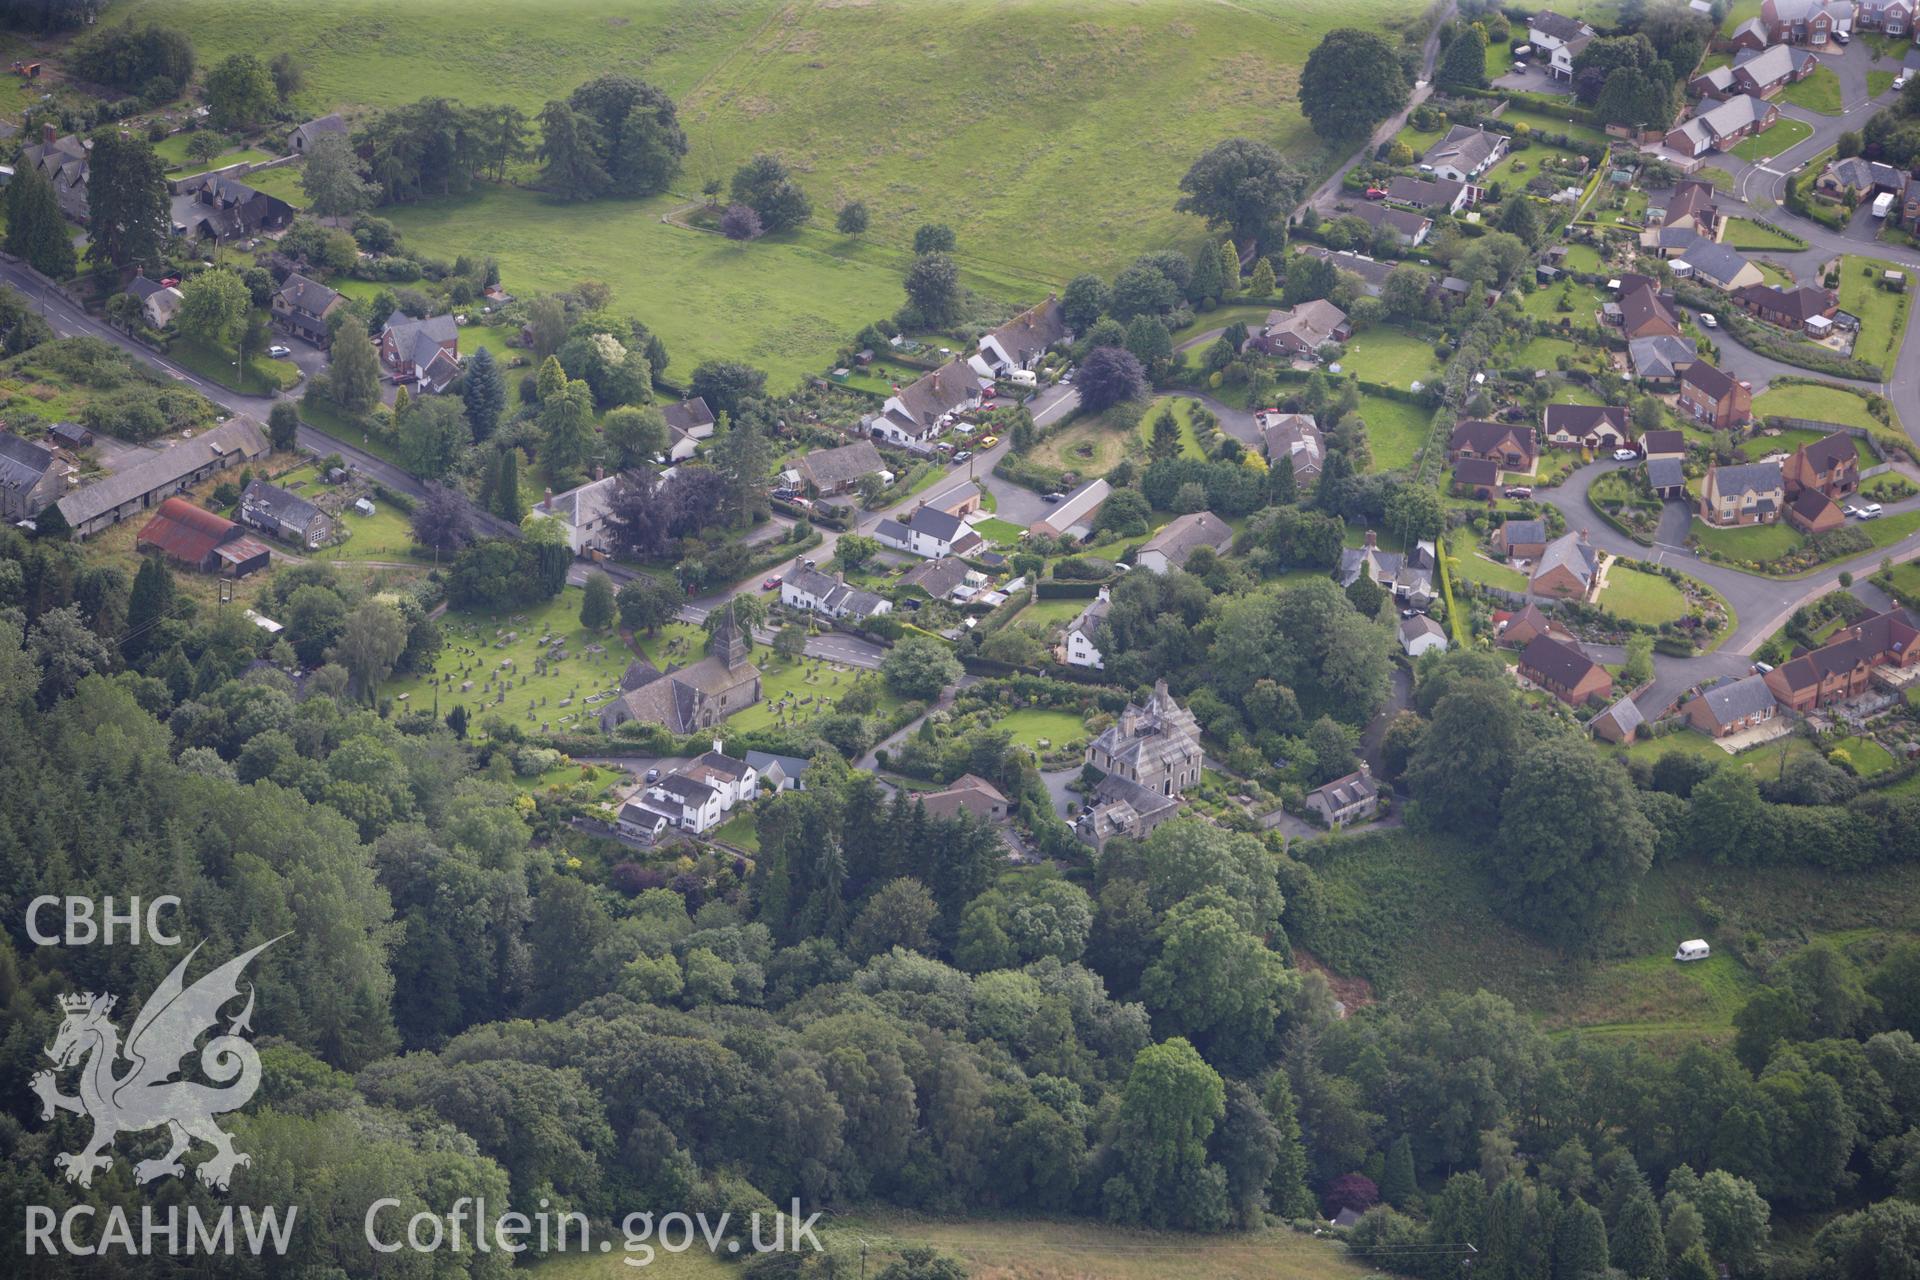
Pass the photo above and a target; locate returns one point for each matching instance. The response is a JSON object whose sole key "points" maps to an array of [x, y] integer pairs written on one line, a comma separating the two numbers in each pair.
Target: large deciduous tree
{"points": [[331, 179], [353, 379], [933, 287], [128, 214], [1243, 186], [637, 133], [570, 149], [240, 92], [764, 185], [1108, 376], [213, 306], [1352, 81]]}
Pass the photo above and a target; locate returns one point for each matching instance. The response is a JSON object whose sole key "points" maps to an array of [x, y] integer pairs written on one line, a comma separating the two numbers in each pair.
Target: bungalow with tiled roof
{"points": [[1511, 447], [1301, 330], [1660, 357], [827, 472], [1587, 426], [1565, 568], [1175, 544], [1432, 195], [1643, 313], [1788, 308], [1464, 154], [1724, 126], [1021, 341], [1564, 671]]}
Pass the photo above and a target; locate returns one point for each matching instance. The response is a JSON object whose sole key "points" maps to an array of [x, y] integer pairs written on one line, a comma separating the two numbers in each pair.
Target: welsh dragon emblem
{"points": [[145, 1095]]}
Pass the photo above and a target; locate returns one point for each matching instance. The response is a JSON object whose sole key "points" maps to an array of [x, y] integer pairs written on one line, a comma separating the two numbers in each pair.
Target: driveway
{"points": [[1534, 80]]}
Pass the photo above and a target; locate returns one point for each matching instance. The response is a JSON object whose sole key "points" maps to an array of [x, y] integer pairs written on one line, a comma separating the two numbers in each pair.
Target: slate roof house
{"points": [[313, 130], [1561, 38], [1464, 154], [1295, 436], [1752, 493], [1711, 398], [1895, 17], [913, 412], [1765, 72], [1371, 271], [1667, 477], [144, 484], [284, 514], [29, 480], [697, 696], [1409, 228], [1080, 645], [969, 793], [301, 307], [833, 471], [1521, 539], [1419, 634], [1348, 800], [1587, 426], [688, 421], [423, 354], [159, 303], [1719, 265], [209, 206], [1511, 448], [1565, 672], [64, 162], [1021, 341], [1844, 667], [195, 538], [1723, 126], [1643, 314], [1811, 22], [1408, 576], [1180, 538], [1301, 331], [1150, 755], [817, 592], [1432, 195], [1618, 723], [939, 577], [1565, 568], [1861, 176], [1660, 357], [584, 511], [930, 533]]}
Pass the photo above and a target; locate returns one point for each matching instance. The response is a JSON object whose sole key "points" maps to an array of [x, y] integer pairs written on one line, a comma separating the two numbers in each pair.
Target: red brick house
{"points": [[1788, 308], [1565, 672], [1843, 667], [1714, 400], [1643, 313], [1830, 465], [1587, 426], [1732, 707], [1476, 478]]}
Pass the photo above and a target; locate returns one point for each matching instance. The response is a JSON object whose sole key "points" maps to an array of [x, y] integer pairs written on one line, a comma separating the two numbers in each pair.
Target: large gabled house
{"points": [[1845, 666], [1080, 643], [914, 413], [1732, 706], [1893, 17], [1432, 195], [211, 206], [1751, 493], [1565, 568], [1407, 577], [159, 303], [1301, 331], [1348, 800], [584, 512], [421, 354], [1561, 38], [285, 514], [816, 592], [1587, 426], [301, 307], [1464, 154], [1021, 341], [1149, 756], [1295, 437], [1712, 398], [1813, 22], [1509, 447], [65, 162], [1829, 466], [927, 532]]}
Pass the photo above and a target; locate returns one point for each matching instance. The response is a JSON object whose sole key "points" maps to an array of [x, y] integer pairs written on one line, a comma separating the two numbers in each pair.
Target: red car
{"points": [[771, 583], [1376, 193]]}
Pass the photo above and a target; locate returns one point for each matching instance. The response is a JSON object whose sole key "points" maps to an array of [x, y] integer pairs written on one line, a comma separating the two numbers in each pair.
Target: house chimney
{"points": [[716, 747], [546, 503], [1370, 540], [599, 472], [46, 133]]}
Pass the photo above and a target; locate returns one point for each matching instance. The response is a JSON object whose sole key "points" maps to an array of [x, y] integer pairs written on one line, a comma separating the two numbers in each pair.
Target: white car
{"points": [[279, 352], [1870, 512], [1624, 455], [1707, 321]]}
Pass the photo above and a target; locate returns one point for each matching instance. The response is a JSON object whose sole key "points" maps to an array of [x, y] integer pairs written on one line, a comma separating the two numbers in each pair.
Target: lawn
{"points": [[1471, 567], [1029, 154], [1883, 313], [1544, 304], [263, 376], [1758, 542], [1639, 596], [1584, 258], [1051, 613], [1785, 135], [1869, 758], [1546, 122], [1545, 353], [567, 698], [1190, 445], [741, 829], [1220, 318], [1878, 82], [1818, 92], [1390, 357], [1818, 404], [808, 687], [173, 150], [1745, 233], [1004, 532], [1395, 430], [1088, 447], [386, 535], [1031, 725]]}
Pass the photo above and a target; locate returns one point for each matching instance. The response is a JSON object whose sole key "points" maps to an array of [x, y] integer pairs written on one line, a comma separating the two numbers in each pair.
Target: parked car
{"points": [[653, 775], [1519, 491], [1376, 193], [1053, 497], [1870, 512], [989, 442], [771, 583], [963, 455], [1624, 455], [279, 352], [808, 563], [1707, 320]]}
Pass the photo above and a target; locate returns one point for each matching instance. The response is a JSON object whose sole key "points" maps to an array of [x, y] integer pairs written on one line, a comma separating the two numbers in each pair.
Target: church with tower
{"points": [[694, 697]]}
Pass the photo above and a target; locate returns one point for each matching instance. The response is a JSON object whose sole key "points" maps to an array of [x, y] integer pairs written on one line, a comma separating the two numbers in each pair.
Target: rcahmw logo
{"points": [[132, 1088]]}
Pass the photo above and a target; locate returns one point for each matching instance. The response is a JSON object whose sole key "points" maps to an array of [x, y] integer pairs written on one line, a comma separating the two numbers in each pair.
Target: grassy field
{"points": [[1818, 92], [1088, 446], [1009, 1248], [1821, 404], [1545, 353], [578, 676], [1032, 724], [1395, 430], [1775, 141], [1028, 153], [1745, 233], [1642, 597], [1883, 313], [1391, 357], [173, 150]]}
